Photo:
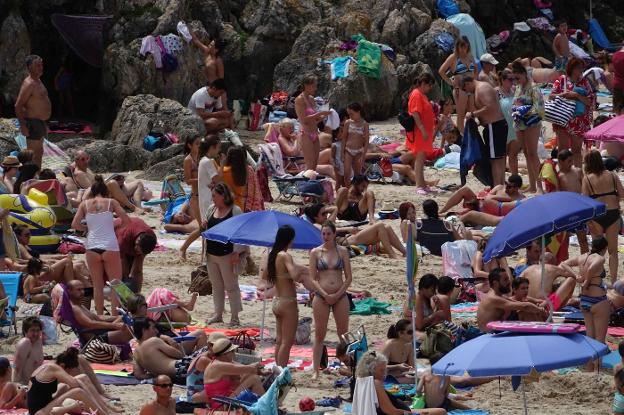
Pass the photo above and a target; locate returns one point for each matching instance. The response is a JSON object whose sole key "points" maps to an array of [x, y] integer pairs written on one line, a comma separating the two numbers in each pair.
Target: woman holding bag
{"points": [[573, 86]]}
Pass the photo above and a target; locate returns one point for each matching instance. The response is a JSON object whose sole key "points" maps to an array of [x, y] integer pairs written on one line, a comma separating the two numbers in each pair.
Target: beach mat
{"points": [[468, 412], [117, 373], [304, 351], [121, 367], [117, 380], [20, 411], [611, 360], [251, 331]]}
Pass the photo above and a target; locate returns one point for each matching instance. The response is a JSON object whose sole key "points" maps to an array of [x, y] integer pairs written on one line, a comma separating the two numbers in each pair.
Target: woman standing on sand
{"points": [[191, 165], [309, 118], [328, 263]]}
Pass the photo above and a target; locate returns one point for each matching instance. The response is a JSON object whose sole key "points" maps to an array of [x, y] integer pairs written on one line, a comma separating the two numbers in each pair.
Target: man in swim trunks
{"points": [[161, 355], [164, 404], [208, 104], [559, 294], [490, 115], [33, 107], [494, 305], [570, 179], [356, 203], [561, 46]]}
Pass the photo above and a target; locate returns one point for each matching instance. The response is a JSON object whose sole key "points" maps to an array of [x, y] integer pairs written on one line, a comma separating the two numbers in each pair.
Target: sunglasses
{"points": [[164, 385]]}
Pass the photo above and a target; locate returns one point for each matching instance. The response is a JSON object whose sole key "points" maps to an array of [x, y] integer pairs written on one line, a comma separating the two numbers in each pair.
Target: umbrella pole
{"points": [[414, 347], [526, 409], [543, 264]]}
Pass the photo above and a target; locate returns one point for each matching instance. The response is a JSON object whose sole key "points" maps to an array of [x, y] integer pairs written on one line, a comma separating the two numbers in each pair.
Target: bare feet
{"points": [[215, 319], [182, 255]]}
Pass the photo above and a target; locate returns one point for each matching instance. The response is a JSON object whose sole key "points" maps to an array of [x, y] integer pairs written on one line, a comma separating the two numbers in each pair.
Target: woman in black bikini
{"points": [[328, 263], [51, 385], [604, 186]]}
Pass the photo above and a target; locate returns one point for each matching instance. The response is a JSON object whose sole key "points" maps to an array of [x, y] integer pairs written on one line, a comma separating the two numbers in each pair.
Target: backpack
{"points": [[438, 342], [406, 121], [200, 281]]}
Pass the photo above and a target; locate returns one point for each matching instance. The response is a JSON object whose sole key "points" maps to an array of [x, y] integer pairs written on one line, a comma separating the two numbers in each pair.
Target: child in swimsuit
{"points": [[36, 291], [354, 146]]}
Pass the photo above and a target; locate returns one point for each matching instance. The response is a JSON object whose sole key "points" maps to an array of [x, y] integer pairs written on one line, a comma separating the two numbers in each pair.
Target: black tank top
{"points": [[40, 394], [217, 248]]}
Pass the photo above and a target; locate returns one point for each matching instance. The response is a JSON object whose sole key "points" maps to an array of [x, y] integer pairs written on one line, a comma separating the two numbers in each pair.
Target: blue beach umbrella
{"points": [[259, 229], [540, 216]]}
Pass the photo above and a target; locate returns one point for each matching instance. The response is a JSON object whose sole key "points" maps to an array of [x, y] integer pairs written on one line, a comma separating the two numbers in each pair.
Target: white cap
{"points": [[488, 58], [522, 27]]}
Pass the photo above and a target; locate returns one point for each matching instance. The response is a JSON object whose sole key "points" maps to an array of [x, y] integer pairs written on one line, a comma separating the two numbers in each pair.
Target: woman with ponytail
{"points": [[399, 349], [95, 215], [282, 272]]}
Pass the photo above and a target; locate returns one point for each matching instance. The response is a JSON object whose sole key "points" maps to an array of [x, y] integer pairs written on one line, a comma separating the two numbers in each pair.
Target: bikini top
{"points": [[602, 276], [460, 67], [597, 195], [322, 265], [356, 129], [309, 109]]}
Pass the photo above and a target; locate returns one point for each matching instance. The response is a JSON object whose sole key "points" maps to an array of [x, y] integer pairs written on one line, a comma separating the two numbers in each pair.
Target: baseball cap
{"points": [[488, 58]]}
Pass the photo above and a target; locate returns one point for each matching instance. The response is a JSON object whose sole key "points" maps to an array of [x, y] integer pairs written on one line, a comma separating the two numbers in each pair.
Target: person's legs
{"points": [[513, 148], [566, 290], [582, 239], [230, 283], [419, 169], [461, 104], [178, 228], [77, 394], [37, 147], [85, 368], [39, 298], [530, 138], [278, 330], [310, 151], [366, 205], [358, 163], [348, 169], [612, 239], [200, 340], [61, 271], [463, 194], [117, 193], [479, 218], [405, 170], [341, 316], [96, 268], [394, 240], [498, 170], [577, 150], [287, 315], [215, 125], [601, 313], [218, 289], [320, 313], [188, 241], [253, 382], [112, 266], [88, 387]]}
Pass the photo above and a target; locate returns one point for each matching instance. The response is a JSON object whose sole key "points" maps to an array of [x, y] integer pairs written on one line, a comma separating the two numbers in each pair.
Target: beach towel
{"points": [[84, 35], [53, 157], [549, 176], [339, 67], [117, 380], [457, 258], [254, 200], [369, 59], [599, 37], [468, 27], [365, 397], [370, 306], [157, 298]]}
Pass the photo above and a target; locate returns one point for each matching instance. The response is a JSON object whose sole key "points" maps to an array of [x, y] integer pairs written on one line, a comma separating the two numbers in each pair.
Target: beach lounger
{"points": [[600, 38], [11, 283]]}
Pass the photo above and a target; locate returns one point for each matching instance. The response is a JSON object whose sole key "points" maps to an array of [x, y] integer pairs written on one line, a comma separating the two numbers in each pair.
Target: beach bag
{"points": [[97, 351], [200, 281], [559, 111], [438, 342], [304, 330], [244, 342], [67, 247], [386, 167], [406, 121]]}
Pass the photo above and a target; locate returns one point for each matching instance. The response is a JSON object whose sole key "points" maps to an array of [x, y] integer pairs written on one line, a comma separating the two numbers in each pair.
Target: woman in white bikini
{"points": [[328, 263], [309, 118], [354, 137], [282, 272]]}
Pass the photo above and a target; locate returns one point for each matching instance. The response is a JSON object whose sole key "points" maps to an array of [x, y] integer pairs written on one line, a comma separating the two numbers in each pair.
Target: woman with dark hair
{"points": [[235, 174], [594, 302], [604, 186], [432, 232], [399, 349], [481, 269], [51, 385], [328, 263], [407, 214], [282, 272], [309, 117], [191, 167], [95, 215], [574, 87], [27, 172], [459, 64], [222, 257], [354, 138]]}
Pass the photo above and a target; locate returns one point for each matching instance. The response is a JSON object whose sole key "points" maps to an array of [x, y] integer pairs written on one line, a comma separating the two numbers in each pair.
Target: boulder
{"points": [[162, 154], [14, 47], [525, 44], [73, 144], [160, 170], [141, 114], [8, 131], [278, 19], [113, 157], [407, 76], [425, 49], [404, 24]]}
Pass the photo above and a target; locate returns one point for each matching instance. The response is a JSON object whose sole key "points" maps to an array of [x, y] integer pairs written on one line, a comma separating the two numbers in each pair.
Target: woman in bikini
{"points": [[486, 211], [191, 164], [428, 308], [282, 272], [102, 247], [355, 138], [399, 350], [460, 64], [328, 263], [309, 118], [604, 186], [481, 269], [594, 302]]}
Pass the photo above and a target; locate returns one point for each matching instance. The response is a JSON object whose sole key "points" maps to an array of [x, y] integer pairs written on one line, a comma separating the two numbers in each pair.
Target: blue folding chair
{"points": [[600, 38], [11, 283]]}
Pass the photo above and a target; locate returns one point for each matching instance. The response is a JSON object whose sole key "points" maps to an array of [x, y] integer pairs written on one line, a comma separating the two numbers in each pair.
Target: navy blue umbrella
{"points": [[539, 216], [259, 229]]}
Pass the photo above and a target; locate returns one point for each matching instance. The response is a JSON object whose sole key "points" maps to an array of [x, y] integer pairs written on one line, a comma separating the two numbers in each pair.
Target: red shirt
{"points": [[618, 69], [127, 235]]}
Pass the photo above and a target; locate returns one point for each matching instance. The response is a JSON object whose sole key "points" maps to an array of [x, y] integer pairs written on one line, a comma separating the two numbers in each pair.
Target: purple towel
{"points": [[84, 34]]}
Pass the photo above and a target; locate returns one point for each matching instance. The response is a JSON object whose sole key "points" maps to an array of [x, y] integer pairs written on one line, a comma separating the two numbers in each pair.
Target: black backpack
{"points": [[406, 121]]}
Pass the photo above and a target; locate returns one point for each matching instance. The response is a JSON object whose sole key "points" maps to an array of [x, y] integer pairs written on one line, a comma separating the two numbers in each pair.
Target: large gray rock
{"points": [[141, 114], [8, 131], [424, 48], [113, 157], [408, 75], [160, 170], [73, 144], [14, 47], [278, 19], [162, 154]]}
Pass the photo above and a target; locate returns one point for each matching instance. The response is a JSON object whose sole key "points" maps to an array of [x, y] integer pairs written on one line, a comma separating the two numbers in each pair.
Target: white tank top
{"points": [[101, 231]]}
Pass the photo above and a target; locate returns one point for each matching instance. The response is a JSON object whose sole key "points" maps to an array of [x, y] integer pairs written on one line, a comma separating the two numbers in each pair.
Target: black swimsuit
{"points": [[40, 394], [611, 215]]}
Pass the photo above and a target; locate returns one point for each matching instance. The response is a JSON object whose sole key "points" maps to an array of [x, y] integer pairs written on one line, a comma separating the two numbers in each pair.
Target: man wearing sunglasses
{"points": [[164, 404]]}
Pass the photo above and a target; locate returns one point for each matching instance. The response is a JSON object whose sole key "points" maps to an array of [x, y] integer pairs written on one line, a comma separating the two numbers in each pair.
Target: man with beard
{"points": [[494, 305]]}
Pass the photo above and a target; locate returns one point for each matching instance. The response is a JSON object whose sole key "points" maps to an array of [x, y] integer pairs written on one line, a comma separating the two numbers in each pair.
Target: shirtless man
{"points": [[28, 351], [213, 63], [356, 203], [561, 46], [114, 330], [33, 107], [488, 69], [436, 390], [558, 294], [570, 179], [495, 306], [164, 404], [210, 105], [490, 115], [161, 355], [81, 178]]}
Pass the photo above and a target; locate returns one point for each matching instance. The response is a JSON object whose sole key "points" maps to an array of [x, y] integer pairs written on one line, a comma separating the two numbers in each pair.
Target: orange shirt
{"points": [[418, 102], [238, 192]]}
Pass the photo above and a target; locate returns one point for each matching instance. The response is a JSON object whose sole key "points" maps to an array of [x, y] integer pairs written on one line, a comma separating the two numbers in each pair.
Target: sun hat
{"points": [[522, 27], [488, 58], [223, 346], [11, 161], [216, 336]]}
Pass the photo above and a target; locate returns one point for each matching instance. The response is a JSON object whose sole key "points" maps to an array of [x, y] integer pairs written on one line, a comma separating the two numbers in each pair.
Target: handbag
{"points": [[406, 121], [200, 281], [244, 342], [386, 167], [559, 111], [96, 351]]}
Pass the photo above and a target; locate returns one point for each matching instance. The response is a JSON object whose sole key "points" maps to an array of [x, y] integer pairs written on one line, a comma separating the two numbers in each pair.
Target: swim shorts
{"points": [[561, 63], [618, 403], [37, 129], [495, 135], [555, 300]]}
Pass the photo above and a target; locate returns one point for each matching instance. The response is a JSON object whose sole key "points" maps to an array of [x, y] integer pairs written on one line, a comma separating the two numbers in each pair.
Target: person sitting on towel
{"points": [[164, 404], [520, 292], [546, 285], [432, 232]]}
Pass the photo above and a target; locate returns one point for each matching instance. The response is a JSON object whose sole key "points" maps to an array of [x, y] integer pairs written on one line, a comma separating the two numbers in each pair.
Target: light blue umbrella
{"points": [[259, 229]]}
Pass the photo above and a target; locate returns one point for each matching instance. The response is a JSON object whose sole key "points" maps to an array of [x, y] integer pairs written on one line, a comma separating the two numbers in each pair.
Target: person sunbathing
{"points": [[181, 220], [138, 306], [128, 194], [542, 286], [161, 355], [12, 395], [539, 69]]}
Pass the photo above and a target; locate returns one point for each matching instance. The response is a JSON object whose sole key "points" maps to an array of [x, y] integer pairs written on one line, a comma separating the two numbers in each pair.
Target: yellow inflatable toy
{"points": [[33, 211]]}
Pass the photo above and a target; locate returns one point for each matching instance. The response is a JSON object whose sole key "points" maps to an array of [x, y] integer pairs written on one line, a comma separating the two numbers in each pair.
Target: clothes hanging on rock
{"points": [[149, 45], [339, 66], [369, 59], [173, 43]]}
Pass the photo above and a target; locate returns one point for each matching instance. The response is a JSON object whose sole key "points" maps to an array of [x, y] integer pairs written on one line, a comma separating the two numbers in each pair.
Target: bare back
{"points": [[37, 103], [150, 357], [489, 310], [284, 284]]}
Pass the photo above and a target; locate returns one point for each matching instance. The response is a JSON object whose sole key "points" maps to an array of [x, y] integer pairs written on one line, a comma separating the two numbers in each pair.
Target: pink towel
{"points": [[158, 298]]}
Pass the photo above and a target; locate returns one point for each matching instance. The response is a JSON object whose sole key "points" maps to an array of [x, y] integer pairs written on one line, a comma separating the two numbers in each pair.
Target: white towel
{"points": [[365, 397]]}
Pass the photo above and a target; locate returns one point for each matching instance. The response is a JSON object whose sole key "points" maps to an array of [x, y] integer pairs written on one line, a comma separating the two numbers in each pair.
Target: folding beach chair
{"points": [[357, 345], [600, 38], [11, 283]]}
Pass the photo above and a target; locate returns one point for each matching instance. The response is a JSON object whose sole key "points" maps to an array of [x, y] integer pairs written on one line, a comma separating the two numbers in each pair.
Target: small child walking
{"points": [[354, 138]]}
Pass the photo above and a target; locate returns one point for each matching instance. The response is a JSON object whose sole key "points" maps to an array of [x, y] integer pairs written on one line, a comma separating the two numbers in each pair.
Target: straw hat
{"points": [[216, 336], [223, 346], [388, 207], [11, 161]]}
